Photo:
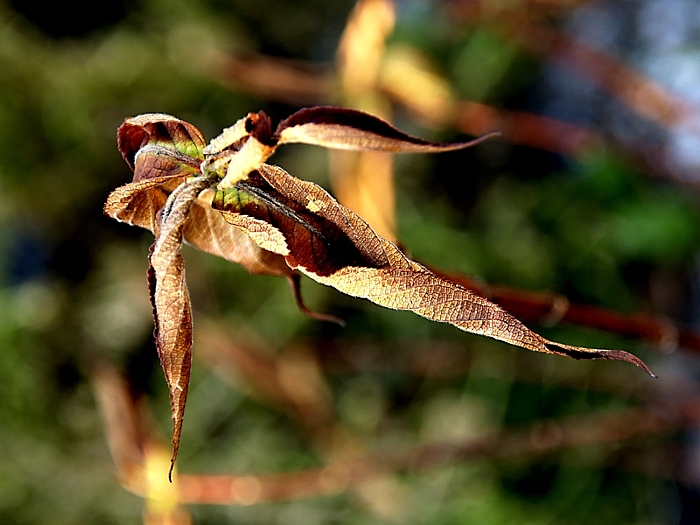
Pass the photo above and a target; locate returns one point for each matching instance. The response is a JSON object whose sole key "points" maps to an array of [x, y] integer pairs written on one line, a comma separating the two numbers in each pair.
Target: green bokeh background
{"points": [[598, 229]]}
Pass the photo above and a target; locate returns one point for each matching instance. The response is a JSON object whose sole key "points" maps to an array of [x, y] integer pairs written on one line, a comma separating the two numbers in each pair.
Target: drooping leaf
{"points": [[168, 197], [171, 300], [336, 247]]}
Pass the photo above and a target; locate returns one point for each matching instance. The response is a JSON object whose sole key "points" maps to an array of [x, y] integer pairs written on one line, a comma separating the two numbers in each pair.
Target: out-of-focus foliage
{"points": [[614, 226]]}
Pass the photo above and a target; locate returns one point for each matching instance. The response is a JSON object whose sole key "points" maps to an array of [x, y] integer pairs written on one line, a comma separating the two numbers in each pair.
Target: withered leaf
{"points": [[164, 151], [336, 247], [245, 146], [156, 145], [138, 202], [223, 199], [350, 129], [304, 237], [171, 300], [168, 197]]}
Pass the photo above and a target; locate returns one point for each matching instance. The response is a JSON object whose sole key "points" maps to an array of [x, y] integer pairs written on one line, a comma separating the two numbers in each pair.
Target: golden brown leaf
{"points": [[311, 230], [137, 203], [334, 246], [208, 231], [342, 128], [171, 300], [225, 200]]}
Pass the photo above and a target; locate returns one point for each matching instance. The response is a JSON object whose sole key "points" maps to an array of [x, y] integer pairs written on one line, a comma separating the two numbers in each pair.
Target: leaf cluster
{"points": [[224, 199]]}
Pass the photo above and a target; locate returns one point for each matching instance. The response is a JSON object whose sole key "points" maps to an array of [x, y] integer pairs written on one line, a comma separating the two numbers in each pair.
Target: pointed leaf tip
{"points": [[350, 129], [336, 247], [589, 353], [170, 299]]}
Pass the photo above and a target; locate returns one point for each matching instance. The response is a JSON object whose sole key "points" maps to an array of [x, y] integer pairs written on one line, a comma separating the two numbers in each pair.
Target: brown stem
{"points": [[541, 438], [549, 308]]}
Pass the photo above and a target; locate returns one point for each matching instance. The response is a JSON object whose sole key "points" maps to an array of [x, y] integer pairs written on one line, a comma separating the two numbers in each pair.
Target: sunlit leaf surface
{"points": [[284, 217]]}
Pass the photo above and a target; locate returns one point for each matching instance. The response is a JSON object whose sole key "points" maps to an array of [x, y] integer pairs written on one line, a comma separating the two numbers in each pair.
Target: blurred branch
{"points": [[538, 8], [541, 438], [646, 97], [141, 459], [289, 81], [445, 360], [291, 382], [550, 308], [301, 391], [128, 435], [641, 94], [408, 80]]}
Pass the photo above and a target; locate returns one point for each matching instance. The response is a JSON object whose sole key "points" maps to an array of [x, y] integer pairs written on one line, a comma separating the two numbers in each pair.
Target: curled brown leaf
{"points": [[170, 298], [350, 129], [223, 199], [355, 260]]}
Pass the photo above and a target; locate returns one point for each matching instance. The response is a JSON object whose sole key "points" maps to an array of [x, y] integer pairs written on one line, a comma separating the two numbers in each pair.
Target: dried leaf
{"points": [[155, 145], [334, 246], [138, 203], [350, 129], [225, 200], [313, 230], [208, 231], [166, 154], [164, 151], [171, 300]]}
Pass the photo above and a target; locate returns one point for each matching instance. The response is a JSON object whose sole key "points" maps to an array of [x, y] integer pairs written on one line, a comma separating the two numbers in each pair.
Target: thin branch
{"points": [[541, 438], [289, 81], [291, 382], [550, 308]]}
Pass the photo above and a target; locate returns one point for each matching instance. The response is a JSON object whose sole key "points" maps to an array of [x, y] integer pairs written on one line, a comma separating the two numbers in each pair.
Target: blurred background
{"points": [[582, 219]]}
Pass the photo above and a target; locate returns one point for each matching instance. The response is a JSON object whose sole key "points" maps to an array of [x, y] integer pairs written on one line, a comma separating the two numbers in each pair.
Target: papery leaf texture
{"points": [[170, 298], [225, 200], [342, 128], [161, 163], [334, 246]]}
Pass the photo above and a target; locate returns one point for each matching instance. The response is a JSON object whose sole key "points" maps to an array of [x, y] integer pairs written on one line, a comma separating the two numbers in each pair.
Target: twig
{"points": [[541, 438], [549, 308]]}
